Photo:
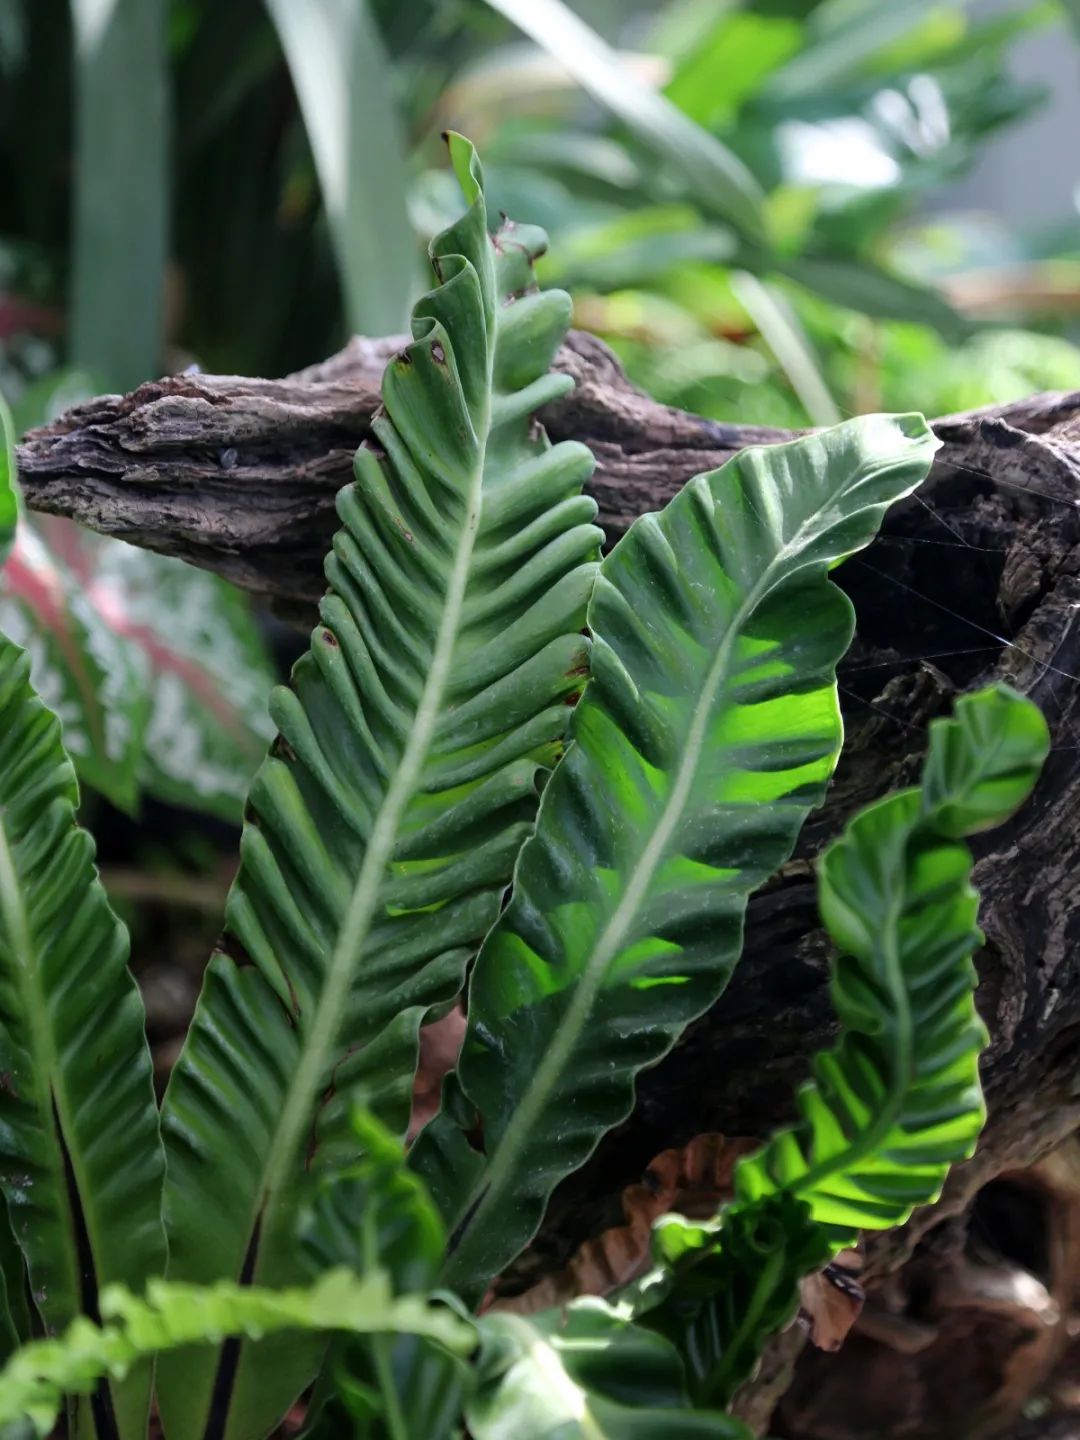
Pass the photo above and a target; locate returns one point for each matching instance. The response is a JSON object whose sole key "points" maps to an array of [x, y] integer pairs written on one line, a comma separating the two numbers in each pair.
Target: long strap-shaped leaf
{"points": [[709, 730], [80, 1156], [898, 1100], [384, 828]]}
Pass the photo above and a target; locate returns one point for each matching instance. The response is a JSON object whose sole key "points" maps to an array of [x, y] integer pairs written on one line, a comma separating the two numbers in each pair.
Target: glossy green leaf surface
{"points": [[898, 1100], [173, 1316], [80, 1156], [385, 825], [583, 1374], [708, 732], [9, 506]]}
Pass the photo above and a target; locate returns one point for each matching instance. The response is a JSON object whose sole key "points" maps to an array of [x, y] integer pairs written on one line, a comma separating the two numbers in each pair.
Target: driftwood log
{"points": [[976, 578]]}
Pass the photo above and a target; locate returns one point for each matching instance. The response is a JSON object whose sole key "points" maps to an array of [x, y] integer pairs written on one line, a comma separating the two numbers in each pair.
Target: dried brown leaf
{"points": [[693, 1179]]}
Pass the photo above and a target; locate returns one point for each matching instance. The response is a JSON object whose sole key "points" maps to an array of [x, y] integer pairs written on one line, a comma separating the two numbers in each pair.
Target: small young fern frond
{"points": [[898, 1100]]}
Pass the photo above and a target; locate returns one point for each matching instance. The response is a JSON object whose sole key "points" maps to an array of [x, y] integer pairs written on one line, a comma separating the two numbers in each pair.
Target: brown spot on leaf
{"points": [[438, 354], [329, 638]]}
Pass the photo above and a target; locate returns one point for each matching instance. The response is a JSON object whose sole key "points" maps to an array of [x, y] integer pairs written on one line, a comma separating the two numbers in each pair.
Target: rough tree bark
{"points": [[976, 578]]}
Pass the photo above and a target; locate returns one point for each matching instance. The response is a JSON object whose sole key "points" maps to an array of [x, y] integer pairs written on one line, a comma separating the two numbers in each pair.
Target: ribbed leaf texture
{"points": [[584, 1373], [384, 828], [723, 1286], [80, 1156], [34, 1382], [898, 1100], [708, 732]]}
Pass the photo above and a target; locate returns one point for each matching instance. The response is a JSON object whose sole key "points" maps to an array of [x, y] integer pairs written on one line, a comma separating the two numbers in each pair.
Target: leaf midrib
{"points": [[348, 951], [518, 1130], [295, 1115]]}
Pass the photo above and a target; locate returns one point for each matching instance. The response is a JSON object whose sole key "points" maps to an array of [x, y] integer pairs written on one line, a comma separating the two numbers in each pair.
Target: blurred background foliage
{"points": [[748, 199], [743, 198]]}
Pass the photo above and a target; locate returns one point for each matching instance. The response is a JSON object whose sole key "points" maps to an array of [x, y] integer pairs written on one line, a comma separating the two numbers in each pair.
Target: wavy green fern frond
{"points": [[707, 734], [375, 1211], [384, 828], [898, 1100]]}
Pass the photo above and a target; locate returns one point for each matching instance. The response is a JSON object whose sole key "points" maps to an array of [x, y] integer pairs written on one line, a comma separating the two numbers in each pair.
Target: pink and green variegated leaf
{"points": [[157, 670], [201, 658], [83, 671]]}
